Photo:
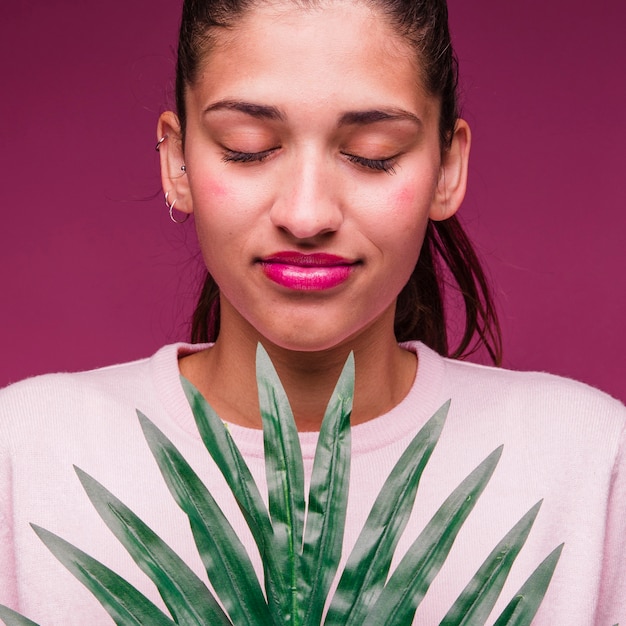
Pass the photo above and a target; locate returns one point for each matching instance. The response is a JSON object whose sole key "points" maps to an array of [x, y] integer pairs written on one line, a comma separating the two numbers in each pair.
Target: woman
{"points": [[319, 148]]}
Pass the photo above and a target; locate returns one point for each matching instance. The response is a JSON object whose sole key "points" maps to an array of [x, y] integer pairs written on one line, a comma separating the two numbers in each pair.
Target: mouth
{"points": [[307, 272]]}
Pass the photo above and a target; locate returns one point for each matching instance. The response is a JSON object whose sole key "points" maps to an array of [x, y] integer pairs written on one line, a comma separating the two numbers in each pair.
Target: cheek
{"points": [[408, 210], [407, 224], [414, 197], [405, 196], [226, 216], [213, 219], [207, 189]]}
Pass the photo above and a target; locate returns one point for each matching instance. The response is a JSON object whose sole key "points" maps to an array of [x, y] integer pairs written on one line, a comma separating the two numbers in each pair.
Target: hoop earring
{"points": [[159, 142], [171, 210]]}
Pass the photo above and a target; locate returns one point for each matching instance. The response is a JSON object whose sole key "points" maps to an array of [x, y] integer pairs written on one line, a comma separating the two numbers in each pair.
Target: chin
{"points": [[306, 342], [308, 329], [310, 337]]}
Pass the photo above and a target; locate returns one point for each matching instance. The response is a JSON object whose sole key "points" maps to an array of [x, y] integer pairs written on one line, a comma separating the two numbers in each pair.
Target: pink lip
{"points": [[307, 272]]}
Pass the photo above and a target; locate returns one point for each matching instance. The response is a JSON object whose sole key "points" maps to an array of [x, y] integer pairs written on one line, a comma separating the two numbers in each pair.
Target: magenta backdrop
{"points": [[93, 272]]}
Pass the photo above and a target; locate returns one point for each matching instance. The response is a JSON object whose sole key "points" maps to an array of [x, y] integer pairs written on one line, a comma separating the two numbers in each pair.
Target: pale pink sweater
{"points": [[563, 443]]}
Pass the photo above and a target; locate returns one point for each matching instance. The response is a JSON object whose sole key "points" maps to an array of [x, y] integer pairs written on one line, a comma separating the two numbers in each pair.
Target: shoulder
{"points": [[66, 389], [534, 409], [65, 399], [496, 385], [532, 390]]}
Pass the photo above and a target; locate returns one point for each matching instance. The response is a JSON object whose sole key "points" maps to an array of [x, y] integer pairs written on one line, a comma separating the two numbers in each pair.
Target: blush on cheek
{"points": [[218, 190], [213, 188], [411, 208], [405, 197]]}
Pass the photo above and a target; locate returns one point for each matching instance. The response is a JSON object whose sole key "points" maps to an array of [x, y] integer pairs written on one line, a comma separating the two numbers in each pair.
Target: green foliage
{"points": [[475, 603], [225, 559], [122, 601], [300, 546], [11, 618], [184, 594], [522, 608], [368, 564]]}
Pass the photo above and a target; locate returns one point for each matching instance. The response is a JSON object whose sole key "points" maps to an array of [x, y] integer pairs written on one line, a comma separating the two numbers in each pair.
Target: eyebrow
{"points": [[349, 118], [362, 118], [259, 111]]}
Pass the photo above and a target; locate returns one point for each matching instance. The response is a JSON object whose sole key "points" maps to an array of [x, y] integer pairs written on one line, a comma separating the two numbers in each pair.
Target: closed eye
{"points": [[378, 165], [234, 156]]}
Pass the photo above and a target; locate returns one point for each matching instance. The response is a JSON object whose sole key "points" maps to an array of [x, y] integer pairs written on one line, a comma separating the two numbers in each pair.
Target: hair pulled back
{"points": [[446, 250]]}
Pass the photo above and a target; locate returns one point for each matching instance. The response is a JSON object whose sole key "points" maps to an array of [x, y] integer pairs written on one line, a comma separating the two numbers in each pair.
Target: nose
{"points": [[308, 204]]}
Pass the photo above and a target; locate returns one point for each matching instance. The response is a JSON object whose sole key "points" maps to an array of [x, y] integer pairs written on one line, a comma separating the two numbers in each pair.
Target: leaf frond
{"points": [[328, 500], [226, 561], [525, 604], [123, 602], [368, 564], [410, 581], [185, 595]]}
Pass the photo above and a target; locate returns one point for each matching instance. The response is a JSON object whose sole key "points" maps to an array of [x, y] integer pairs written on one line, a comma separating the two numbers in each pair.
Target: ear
{"points": [[453, 174], [173, 177]]}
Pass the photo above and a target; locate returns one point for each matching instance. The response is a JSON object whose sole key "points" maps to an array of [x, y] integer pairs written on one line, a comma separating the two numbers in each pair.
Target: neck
{"points": [[225, 374]]}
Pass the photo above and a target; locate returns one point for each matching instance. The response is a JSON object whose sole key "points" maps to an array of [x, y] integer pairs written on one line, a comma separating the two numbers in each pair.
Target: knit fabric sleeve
{"points": [[612, 597], [8, 583]]}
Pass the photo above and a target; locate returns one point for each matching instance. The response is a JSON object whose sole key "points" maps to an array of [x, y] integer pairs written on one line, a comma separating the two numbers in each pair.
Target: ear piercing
{"points": [[159, 142], [183, 167], [168, 204], [171, 210]]}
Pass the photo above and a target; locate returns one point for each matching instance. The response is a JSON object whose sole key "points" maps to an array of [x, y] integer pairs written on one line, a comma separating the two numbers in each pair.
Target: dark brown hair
{"points": [[446, 250]]}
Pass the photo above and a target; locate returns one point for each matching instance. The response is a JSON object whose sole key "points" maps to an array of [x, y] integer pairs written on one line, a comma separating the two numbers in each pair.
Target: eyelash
{"points": [[378, 165], [233, 156]]}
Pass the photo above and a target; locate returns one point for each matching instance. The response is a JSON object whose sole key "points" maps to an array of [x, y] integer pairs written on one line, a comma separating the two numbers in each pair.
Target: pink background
{"points": [[93, 272]]}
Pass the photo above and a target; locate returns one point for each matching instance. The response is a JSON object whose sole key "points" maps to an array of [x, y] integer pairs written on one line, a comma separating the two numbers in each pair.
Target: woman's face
{"points": [[313, 161]]}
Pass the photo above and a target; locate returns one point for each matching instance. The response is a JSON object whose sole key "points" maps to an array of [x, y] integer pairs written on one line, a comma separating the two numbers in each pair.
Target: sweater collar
{"points": [[422, 400]]}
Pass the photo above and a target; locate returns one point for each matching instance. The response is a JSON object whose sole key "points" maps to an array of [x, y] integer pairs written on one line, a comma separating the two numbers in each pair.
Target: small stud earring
{"points": [[183, 168]]}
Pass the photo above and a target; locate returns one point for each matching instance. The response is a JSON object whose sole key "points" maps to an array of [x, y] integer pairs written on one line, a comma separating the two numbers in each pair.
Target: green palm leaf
{"points": [[11, 618], [224, 556], [523, 607], [328, 500], [309, 554], [368, 564], [126, 605], [185, 595], [477, 600], [233, 467], [423, 560], [285, 476]]}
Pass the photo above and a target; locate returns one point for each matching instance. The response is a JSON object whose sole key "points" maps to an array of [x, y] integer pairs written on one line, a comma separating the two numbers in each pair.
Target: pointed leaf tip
{"points": [[522, 608], [477, 600], [328, 497], [284, 471], [366, 570], [412, 577], [263, 362], [124, 603], [13, 618]]}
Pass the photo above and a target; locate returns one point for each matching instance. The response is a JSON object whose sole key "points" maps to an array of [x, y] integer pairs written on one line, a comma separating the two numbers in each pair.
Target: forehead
{"points": [[338, 47], [309, 15]]}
